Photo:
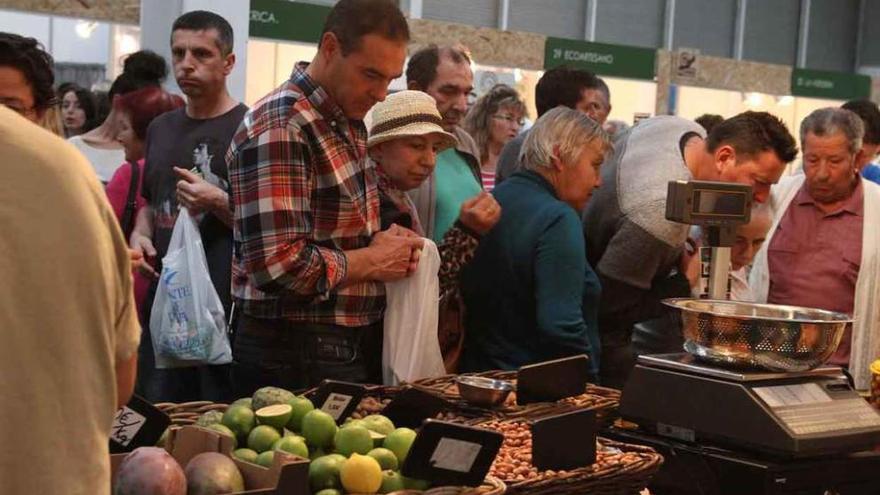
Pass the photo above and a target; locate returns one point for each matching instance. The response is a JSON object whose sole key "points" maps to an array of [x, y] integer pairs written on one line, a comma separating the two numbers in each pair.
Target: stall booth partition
{"points": [[628, 71]]}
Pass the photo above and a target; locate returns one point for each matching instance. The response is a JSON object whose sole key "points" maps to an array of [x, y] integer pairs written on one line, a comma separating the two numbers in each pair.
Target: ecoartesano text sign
{"points": [[600, 58], [287, 21], [832, 85]]}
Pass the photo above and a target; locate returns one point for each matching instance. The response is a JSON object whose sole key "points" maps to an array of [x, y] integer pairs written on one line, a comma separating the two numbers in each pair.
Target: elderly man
{"points": [[445, 74], [820, 253]]}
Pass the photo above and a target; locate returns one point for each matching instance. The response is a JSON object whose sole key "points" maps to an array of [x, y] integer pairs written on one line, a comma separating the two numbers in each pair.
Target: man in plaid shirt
{"points": [[309, 261]]}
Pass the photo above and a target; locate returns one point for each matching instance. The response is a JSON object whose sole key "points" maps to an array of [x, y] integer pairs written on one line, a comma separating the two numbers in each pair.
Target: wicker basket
{"points": [[620, 468], [373, 402], [490, 486], [604, 401]]}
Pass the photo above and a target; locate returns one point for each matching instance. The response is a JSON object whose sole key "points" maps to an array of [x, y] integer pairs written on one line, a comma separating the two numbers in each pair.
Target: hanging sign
{"points": [[600, 58]]}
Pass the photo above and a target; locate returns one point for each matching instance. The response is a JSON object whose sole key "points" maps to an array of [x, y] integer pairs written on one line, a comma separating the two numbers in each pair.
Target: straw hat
{"points": [[407, 113]]}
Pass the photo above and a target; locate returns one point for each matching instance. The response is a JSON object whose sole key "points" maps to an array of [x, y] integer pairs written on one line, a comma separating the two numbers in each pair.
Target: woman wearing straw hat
{"points": [[405, 137]]}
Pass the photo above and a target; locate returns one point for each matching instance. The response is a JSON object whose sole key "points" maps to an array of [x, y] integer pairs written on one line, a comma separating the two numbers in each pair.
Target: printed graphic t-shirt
{"points": [[176, 140]]}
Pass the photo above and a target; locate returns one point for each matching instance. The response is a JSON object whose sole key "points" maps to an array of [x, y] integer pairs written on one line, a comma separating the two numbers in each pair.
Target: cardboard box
{"points": [[289, 474]]}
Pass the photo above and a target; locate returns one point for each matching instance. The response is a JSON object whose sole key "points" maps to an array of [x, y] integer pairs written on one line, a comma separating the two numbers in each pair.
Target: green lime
{"points": [[319, 428], [354, 439], [262, 438], [378, 423], [266, 458], [294, 445], [301, 406], [387, 460], [275, 416], [324, 472], [240, 419], [399, 441], [392, 481], [247, 455]]}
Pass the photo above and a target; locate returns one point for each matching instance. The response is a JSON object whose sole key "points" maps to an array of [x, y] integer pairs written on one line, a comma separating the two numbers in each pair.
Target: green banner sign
{"points": [[831, 85], [287, 21], [600, 58]]}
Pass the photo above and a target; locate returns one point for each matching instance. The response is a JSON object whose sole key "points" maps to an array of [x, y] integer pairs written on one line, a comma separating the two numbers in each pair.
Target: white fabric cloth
{"points": [[411, 348], [105, 162], [740, 290], [866, 313]]}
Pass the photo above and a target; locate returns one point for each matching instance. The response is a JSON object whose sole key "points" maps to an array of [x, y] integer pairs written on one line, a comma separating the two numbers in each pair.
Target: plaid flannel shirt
{"points": [[302, 192]]}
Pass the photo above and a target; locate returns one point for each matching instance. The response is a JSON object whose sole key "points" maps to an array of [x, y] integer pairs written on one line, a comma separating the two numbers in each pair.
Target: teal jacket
{"points": [[530, 294]]}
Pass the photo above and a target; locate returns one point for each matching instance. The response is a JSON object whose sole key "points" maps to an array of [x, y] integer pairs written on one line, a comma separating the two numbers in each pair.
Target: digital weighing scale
{"points": [[804, 414], [733, 430]]}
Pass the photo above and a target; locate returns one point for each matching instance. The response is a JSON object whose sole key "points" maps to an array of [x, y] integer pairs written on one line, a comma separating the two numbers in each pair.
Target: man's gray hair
{"points": [[830, 121], [564, 129]]}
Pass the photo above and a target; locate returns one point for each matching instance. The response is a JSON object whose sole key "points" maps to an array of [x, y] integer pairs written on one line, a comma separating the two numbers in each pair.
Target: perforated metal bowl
{"points": [[768, 336]]}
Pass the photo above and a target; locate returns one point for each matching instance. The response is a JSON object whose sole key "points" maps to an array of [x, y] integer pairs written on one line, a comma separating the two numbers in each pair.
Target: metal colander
{"points": [[773, 337]]}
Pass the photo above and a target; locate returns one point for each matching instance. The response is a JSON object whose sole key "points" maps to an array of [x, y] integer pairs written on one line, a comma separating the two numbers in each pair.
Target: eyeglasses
{"points": [[509, 119], [17, 106]]}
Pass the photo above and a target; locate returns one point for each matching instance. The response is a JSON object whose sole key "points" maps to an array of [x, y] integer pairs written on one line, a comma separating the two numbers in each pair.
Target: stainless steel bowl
{"points": [[768, 336], [483, 391]]}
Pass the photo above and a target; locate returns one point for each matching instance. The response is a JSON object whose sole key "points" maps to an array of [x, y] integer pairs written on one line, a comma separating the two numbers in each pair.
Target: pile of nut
{"points": [[373, 405], [370, 405], [514, 460]]}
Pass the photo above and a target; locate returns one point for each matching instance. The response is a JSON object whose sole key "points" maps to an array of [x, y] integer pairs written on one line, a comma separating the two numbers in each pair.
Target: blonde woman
{"points": [[495, 119]]}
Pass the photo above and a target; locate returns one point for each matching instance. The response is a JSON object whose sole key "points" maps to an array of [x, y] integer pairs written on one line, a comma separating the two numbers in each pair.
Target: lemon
{"points": [[361, 474]]}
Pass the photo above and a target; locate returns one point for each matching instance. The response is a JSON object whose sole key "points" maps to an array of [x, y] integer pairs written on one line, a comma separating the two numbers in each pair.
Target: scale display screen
{"points": [[807, 409], [719, 203]]}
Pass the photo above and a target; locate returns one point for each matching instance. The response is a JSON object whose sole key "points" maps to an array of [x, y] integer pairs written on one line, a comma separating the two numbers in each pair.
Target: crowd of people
{"points": [[552, 240]]}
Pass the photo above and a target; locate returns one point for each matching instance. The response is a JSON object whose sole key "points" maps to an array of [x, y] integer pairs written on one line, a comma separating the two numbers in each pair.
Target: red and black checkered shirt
{"points": [[303, 192]]}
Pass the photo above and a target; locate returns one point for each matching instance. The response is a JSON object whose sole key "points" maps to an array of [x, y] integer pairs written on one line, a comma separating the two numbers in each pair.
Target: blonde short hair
{"points": [[562, 129]]}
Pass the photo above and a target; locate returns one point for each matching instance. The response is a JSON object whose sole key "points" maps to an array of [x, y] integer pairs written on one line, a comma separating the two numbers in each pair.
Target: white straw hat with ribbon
{"points": [[405, 114]]}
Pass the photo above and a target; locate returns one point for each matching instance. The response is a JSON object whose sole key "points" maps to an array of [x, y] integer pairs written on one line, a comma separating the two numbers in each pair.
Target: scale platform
{"points": [[806, 414]]}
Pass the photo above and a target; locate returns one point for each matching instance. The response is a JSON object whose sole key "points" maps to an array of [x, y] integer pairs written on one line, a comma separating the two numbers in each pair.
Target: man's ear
{"points": [[725, 156], [229, 64], [329, 46]]}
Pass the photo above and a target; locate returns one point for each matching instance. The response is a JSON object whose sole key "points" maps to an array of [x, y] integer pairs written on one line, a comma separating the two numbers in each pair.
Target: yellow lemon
{"points": [[361, 474]]}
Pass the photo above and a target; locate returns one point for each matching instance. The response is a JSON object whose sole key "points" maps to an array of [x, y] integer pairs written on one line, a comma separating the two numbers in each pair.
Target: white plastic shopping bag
{"points": [[411, 349], [187, 320]]}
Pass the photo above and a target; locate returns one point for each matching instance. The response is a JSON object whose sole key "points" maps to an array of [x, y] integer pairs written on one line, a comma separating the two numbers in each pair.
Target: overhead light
{"points": [[753, 99], [127, 44], [84, 29], [785, 101]]}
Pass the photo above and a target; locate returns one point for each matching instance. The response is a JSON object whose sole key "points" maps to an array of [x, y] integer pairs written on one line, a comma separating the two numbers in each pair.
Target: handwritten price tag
{"points": [[126, 426], [335, 405]]}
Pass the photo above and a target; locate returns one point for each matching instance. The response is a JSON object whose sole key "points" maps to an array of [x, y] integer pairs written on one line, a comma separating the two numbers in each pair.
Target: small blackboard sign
{"points": [[411, 406], [137, 424], [451, 454], [566, 441], [551, 381], [338, 399]]}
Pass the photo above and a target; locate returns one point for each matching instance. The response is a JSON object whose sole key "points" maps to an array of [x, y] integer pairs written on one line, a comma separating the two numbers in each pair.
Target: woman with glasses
{"points": [[495, 119]]}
